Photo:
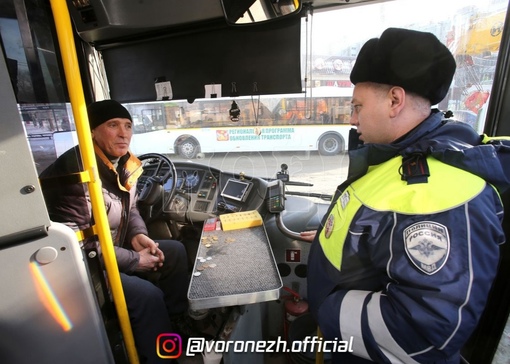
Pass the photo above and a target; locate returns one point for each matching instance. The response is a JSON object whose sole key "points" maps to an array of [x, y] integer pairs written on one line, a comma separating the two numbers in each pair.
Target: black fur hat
{"points": [[416, 61], [101, 111]]}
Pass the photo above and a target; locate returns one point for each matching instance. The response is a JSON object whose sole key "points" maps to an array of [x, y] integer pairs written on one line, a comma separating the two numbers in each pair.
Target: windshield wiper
{"points": [[322, 196]]}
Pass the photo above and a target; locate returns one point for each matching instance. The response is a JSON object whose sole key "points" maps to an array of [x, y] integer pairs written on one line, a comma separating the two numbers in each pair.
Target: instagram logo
{"points": [[169, 346]]}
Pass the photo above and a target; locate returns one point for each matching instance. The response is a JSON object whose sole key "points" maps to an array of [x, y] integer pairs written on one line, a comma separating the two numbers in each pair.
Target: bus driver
{"points": [[150, 307]]}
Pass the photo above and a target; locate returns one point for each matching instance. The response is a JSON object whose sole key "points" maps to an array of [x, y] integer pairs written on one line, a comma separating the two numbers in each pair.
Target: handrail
{"points": [[75, 87], [286, 231]]}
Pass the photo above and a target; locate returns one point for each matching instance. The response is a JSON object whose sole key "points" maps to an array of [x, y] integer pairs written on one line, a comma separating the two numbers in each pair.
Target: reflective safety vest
{"points": [[381, 190]]}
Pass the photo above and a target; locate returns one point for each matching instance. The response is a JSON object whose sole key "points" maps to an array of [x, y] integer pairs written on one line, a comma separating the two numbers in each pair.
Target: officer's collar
{"points": [[373, 154]]}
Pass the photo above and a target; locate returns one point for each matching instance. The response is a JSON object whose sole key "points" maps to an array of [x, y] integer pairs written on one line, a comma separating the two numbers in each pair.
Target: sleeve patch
{"points": [[427, 245]]}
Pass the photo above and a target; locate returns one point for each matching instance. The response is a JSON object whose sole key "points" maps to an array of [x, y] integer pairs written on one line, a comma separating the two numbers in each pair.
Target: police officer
{"points": [[407, 253]]}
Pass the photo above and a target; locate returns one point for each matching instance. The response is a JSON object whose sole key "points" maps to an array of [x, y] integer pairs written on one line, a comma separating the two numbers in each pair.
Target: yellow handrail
{"points": [[75, 88], [319, 354]]}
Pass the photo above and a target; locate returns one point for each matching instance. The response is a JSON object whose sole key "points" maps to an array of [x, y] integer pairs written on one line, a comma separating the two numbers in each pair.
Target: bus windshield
{"points": [[243, 124], [307, 132]]}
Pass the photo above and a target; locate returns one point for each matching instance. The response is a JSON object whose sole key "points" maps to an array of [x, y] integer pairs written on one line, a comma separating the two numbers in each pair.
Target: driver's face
{"points": [[114, 136]]}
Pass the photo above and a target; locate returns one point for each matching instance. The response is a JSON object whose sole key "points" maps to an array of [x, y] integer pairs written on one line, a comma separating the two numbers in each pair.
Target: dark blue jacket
{"points": [[407, 253]]}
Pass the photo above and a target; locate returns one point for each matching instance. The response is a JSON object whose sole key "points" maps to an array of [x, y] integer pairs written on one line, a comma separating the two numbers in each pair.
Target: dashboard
{"points": [[199, 184], [191, 180], [202, 191]]}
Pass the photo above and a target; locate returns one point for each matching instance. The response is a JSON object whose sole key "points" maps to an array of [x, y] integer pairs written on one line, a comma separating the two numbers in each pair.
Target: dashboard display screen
{"points": [[236, 190]]}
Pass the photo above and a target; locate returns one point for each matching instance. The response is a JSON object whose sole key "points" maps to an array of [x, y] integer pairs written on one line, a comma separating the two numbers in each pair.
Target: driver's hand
{"points": [[141, 242], [308, 235], [148, 261]]}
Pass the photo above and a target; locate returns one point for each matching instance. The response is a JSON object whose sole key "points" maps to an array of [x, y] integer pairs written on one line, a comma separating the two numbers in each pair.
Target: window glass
{"points": [[470, 28], [31, 52], [308, 132]]}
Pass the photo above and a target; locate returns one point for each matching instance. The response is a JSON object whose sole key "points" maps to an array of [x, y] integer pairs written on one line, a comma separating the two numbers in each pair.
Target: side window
{"points": [[471, 29]]}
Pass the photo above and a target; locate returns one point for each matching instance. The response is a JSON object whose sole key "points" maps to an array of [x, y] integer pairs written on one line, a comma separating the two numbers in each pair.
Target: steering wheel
{"points": [[150, 189]]}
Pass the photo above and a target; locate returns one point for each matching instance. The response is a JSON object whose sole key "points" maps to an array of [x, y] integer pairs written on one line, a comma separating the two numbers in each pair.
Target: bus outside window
{"points": [[318, 119], [266, 123]]}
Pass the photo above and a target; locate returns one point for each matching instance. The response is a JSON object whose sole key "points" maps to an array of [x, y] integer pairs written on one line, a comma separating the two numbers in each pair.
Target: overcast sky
{"points": [[360, 23]]}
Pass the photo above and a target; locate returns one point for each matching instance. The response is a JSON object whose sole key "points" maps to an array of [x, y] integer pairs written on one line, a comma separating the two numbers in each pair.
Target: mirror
{"points": [[239, 12]]}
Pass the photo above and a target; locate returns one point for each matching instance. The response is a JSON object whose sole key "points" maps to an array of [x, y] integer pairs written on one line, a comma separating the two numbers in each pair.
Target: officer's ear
{"points": [[397, 97]]}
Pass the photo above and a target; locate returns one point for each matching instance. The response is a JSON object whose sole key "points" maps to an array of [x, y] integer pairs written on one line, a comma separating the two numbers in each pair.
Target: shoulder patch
{"points": [[427, 245], [330, 223]]}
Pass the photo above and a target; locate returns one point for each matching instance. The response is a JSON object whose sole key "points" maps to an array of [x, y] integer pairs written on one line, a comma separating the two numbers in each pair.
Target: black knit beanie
{"points": [[101, 111]]}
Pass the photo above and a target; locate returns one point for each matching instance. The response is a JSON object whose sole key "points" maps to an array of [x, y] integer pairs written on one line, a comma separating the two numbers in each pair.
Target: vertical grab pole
{"points": [[75, 87], [319, 354]]}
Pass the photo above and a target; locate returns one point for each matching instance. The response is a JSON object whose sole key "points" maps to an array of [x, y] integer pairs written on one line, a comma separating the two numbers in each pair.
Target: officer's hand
{"points": [[308, 235]]}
